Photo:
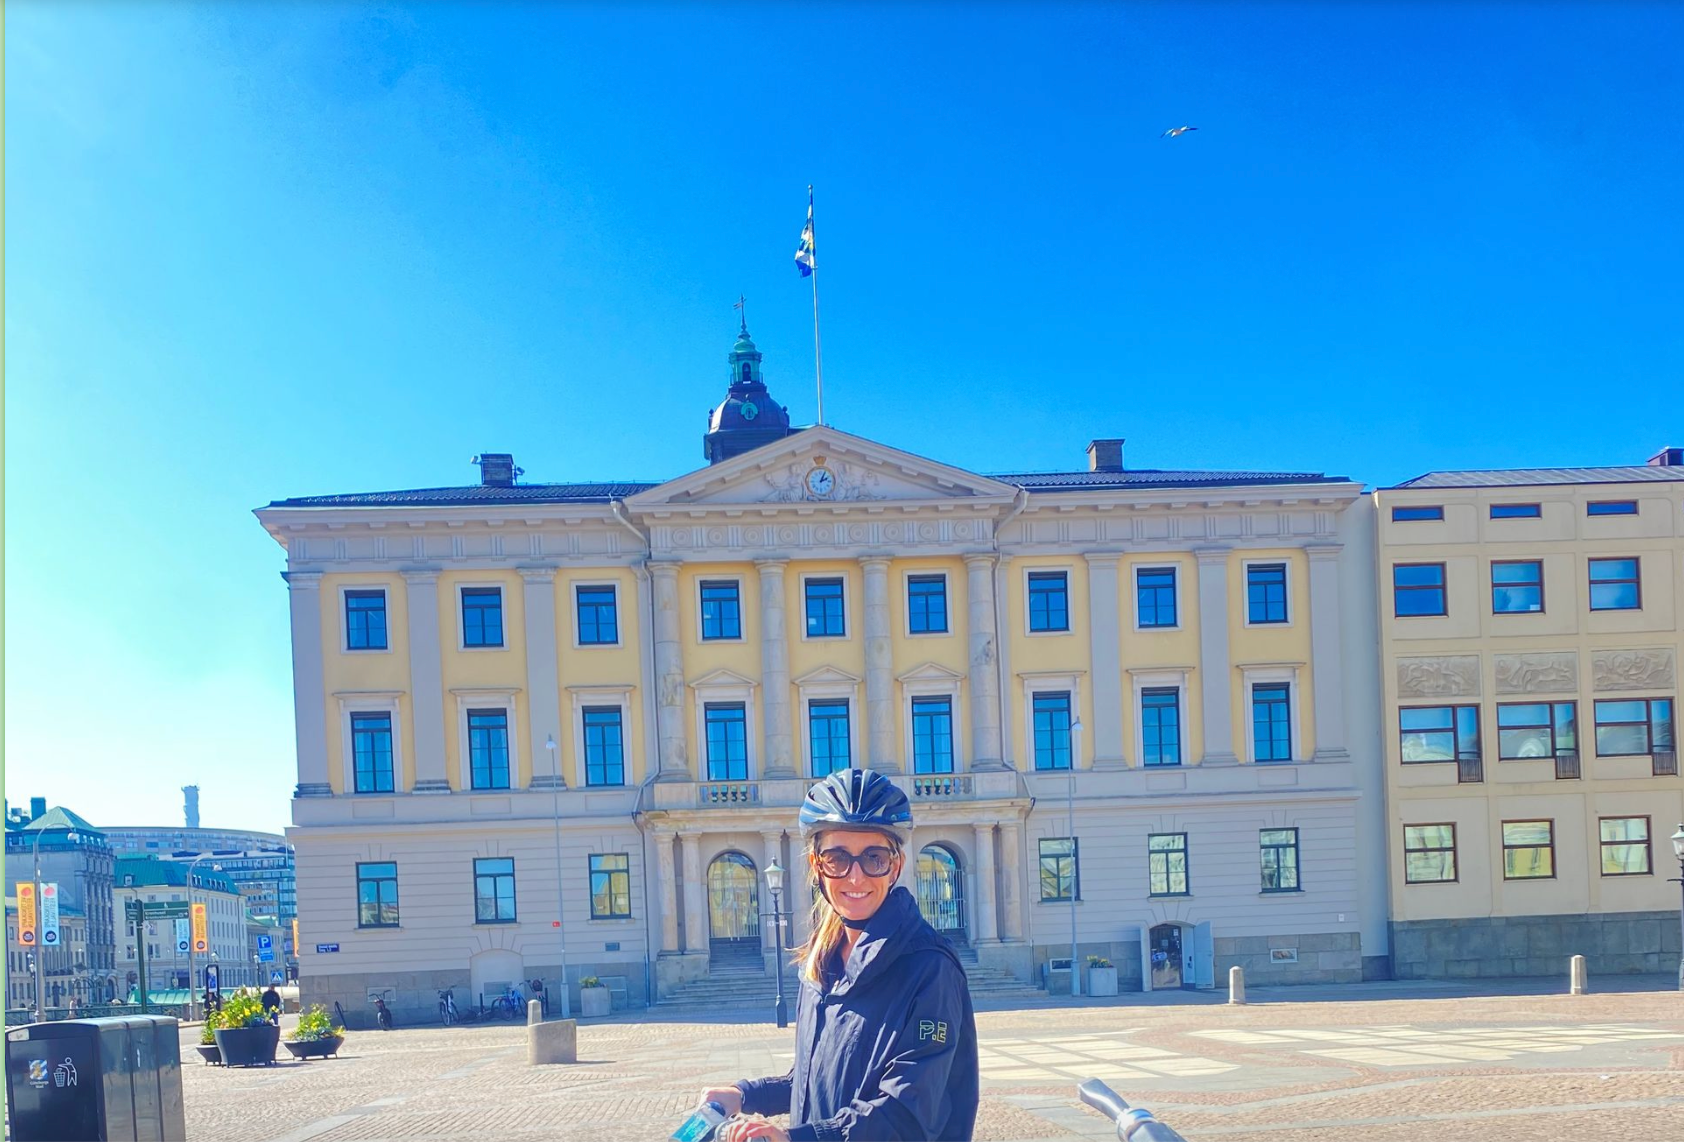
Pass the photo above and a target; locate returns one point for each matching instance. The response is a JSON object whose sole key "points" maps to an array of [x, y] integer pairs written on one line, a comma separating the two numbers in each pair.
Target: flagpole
{"points": [[818, 357]]}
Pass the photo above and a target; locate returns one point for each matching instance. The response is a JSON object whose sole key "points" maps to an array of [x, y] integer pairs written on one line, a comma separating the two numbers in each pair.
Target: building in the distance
{"points": [[260, 863], [168, 962], [75, 856], [1531, 641], [67, 968]]}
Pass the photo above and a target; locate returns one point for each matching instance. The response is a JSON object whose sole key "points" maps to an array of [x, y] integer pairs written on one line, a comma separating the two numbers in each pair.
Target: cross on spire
{"points": [[741, 305]]}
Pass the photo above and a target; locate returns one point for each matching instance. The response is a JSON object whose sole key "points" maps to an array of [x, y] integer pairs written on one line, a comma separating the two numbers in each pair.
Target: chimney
{"points": [[1668, 458], [37, 808], [1105, 456], [497, 469], [191, 794]]}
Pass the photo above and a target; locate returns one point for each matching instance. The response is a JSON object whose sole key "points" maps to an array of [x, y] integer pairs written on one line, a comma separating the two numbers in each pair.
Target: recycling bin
{"points": [[98, 1080]]}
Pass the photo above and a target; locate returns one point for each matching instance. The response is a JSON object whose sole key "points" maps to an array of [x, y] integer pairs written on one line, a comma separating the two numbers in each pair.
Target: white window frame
{"points": [[742, 609], [1143, 680], [486, 698], [462, 626], [1180, 595], [906, 576], [828, 684], [1289, 673], [573, 586], [345, 646], [1245, 593], [724, 686], [1069, 572], [619, 696], [369, 702], [933, 681], [1038, 682], [847, 592]]}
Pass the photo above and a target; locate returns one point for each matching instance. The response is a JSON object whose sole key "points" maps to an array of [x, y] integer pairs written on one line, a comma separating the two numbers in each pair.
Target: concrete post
{"points": [[1576, 976], [553, 1042], [534, 1012], [1236, 985]]}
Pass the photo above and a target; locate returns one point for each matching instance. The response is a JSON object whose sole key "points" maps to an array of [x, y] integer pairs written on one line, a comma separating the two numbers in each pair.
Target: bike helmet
{"points": [[858, 798]]}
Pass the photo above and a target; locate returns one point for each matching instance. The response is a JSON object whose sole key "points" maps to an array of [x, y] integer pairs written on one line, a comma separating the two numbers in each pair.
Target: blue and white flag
{"points": [[804, 252]]}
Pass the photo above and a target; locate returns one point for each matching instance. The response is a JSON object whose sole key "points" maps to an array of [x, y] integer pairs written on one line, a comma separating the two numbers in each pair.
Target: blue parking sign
{"points": [[264, 943]]}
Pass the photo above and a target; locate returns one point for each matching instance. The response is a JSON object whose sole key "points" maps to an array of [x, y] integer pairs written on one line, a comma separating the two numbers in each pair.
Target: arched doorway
{"points": [[734, 903], [941, 891]]}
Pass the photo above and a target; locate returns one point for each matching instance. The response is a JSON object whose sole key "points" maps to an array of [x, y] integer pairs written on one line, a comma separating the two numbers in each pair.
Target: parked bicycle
{"points": [[1134, 1123], [509, 1005], [447, 1008]]}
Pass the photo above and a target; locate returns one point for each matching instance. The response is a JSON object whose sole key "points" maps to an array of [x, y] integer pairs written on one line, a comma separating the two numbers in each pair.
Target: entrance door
{"points": [[941, 891], [734, 901], [1166, 956]]}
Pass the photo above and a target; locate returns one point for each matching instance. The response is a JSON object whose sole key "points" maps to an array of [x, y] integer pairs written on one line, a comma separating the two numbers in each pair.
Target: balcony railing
{"points": [[945, 785], [1567, 765], [1665, 762], [743, 793]]}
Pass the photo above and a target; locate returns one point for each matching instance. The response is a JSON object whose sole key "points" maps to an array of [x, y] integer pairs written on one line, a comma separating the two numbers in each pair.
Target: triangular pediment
{"points": [[930, 672], [827, 676], [722, 677], [856, 470]]}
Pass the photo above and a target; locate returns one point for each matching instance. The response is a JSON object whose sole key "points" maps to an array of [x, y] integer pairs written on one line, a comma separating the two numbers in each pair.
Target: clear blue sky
{"points": [[265, 250]]}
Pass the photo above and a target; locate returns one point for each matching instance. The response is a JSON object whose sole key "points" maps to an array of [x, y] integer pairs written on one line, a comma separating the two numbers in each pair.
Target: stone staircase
{"points": [[993, 983]]}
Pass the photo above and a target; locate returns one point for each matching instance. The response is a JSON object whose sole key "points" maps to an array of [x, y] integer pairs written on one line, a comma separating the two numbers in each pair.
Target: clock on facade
{"points": [[750, 410], [821, 481]]}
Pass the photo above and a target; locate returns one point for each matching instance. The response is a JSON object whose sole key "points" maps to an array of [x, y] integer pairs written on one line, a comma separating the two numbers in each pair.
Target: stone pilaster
{"points": [[309, 697], [1215, 667], [1327, 672], [983, 653], [542, 678], [987, 927], [774, 670], [695, 895], [1105, 633], [426, 680], [1011, 878], [879, 668], [666, 889], [672, 758]]}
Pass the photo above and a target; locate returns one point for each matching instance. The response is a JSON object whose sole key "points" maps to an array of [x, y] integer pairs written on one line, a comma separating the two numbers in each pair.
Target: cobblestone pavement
{"points": [[1519, 1067]]}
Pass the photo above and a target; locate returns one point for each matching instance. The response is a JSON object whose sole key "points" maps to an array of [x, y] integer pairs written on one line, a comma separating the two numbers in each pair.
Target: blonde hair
{"points": [[829, 934]]}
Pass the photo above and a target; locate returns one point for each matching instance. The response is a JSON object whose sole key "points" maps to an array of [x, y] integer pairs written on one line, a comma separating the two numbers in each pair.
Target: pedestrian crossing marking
{"points": [[1400, 1046]]}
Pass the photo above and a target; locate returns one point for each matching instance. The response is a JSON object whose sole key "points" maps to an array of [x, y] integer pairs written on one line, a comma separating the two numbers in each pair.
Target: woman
{"points": [[885, 1038]]}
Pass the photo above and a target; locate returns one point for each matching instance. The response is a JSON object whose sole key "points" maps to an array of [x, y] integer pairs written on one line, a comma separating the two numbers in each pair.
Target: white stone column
{"points": [[983, 649], [666, 890], [1011, 878], [1105, 633], [671, 757], [774, 670], [1215, 670], [987, 926], [695, 895], [426, 681], [879, 668], [542, 678], [309, 696], [1327, 672]]}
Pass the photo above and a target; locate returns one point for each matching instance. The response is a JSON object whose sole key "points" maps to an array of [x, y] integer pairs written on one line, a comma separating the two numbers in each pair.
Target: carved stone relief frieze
{"points": [[1446, 676], [853, 482], [1549, 673], [1632, 669]]}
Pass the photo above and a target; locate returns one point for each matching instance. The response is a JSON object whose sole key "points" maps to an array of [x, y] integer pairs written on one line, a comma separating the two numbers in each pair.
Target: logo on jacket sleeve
{"points": [[930, 1029]]}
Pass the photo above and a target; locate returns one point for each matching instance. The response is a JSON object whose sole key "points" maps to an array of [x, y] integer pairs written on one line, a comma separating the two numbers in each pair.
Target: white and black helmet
{"points": [[860, 799]]}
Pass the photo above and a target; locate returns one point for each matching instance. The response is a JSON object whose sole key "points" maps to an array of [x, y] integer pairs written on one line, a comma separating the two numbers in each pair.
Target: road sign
{"points": [[265, 943], [156, 910], [324, 949], [266, 957], [276, 977]]}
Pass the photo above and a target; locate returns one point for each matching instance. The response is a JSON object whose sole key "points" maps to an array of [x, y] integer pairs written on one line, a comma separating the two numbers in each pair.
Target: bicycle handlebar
{"points": [[1134, 1124], [1103, 1099]]}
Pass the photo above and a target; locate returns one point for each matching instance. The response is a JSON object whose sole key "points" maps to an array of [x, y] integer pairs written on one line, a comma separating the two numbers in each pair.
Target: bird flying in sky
{"points": [[1174, 131]]}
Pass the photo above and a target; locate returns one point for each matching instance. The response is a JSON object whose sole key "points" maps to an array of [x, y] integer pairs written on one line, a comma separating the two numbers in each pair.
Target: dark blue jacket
{"points": [[889, 1052]]}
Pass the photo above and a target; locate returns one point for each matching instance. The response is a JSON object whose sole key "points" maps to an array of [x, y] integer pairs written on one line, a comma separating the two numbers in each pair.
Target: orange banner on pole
{"points": [[26, 914], [201, 940]]}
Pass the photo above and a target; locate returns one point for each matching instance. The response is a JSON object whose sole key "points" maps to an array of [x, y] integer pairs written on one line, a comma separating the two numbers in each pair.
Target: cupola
{"points": [[748, 417]]}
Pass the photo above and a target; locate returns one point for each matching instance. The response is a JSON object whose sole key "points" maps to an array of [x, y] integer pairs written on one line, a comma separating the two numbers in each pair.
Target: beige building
{"points": [[67, 973], [1530, 648], [168, 964]]}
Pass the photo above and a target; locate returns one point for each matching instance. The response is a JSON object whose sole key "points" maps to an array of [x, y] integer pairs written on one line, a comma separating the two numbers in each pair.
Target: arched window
{"points": [[748, 373]]}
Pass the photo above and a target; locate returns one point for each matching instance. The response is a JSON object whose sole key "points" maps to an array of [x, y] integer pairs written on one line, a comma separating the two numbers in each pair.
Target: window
{"points": [[377, 895], [604, 746], [1517, 587], [365, 620], [722, 617], [1516, 511], [1615, 585], [598, 618], [1271, 722], [1625, 846], [1060, 874], [1429, 854], [727, 729], [1439, 733], [932, 735], [1049, 601], [1536, 729], [482, 616], [1154, 597], [488, 749], [494, 891], [610, 886], [926, 604], [1528, 850], [371, 749], [1160, 725], [1633, 727], [827, 735], [1280, 859], [1052, 730], [1418, 589], [1611, 507], [1417, 513], [1265, 593], [1166, 859], [824, 609]]}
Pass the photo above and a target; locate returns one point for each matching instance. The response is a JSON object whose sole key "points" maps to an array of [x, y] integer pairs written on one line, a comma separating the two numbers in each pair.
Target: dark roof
{"points": [[1530, 477], [1158, 478]]}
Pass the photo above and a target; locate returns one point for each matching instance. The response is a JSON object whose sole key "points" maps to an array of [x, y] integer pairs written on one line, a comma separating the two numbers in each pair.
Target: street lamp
{"points": [[1678, 851], [192, 992], [1070, 808], [560, 908], [775, 882]]}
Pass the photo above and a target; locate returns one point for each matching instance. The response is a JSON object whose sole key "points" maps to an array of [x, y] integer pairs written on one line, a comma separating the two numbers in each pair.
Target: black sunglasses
{"points": [[839, 862]]}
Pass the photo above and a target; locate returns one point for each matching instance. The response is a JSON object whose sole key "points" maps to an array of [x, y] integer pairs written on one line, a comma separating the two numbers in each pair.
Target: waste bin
{"points": [[96, 1080]]}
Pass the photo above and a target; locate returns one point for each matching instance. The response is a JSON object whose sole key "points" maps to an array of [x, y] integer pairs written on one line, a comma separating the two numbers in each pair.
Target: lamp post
{"points": [[192, 991], [40, 917], [560, 909], [1678, 851], [1075, 752], [775, 882]]}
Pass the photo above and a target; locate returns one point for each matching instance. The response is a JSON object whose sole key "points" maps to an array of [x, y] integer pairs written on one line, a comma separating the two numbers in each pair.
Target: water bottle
{"points": [[700, 1126]]}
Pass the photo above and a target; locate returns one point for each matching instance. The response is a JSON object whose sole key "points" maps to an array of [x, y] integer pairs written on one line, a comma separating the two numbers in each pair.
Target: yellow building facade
{"points": [[1531, 641]]}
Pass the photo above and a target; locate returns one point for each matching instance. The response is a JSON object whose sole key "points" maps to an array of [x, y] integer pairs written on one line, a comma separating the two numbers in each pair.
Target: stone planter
{"points": [[1102, 981], [211, 1053], [314, 1048], [248, 1046], [595, 1001]]}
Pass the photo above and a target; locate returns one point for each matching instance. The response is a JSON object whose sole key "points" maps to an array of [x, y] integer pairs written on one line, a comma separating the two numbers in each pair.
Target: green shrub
{"points": [[314, 1025], [243, 1009], [1098, 962], [207, 1033], [590, 981]]}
